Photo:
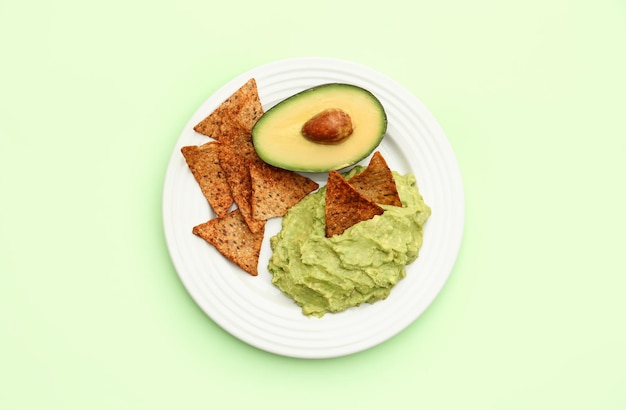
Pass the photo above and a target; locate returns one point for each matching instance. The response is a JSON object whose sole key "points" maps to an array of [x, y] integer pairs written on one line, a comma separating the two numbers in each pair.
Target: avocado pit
{"points": [[330, 126]]}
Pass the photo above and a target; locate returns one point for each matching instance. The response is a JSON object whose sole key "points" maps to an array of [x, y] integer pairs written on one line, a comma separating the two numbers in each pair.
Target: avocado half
{"points": [[278, 138]]}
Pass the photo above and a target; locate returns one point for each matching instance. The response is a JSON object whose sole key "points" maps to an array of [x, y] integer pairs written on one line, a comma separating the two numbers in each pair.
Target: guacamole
{"points": [[361, 265]]}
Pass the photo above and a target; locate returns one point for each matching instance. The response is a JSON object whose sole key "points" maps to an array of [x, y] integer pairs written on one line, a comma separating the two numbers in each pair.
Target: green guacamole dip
{"points": [[361, 265]]}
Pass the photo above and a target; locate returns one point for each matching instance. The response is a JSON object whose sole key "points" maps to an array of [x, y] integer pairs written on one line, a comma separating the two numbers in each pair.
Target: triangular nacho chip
{"points": [[345, 206], [241, 110], [237, 169], [250, 110], [232, 238], [376, 182], [240, 143], [203, 161], [275, 190]]}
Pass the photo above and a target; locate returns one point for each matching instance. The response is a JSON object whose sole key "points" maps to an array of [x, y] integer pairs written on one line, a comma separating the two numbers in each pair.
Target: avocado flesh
{"points": [[278, 139]]}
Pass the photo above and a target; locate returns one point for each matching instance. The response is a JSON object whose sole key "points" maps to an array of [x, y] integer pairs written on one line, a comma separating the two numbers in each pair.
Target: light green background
{"points": [[93, 96]]}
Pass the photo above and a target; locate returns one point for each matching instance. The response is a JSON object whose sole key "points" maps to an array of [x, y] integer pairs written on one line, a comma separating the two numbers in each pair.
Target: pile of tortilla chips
{"points": [[349, 202], [243, 191]]}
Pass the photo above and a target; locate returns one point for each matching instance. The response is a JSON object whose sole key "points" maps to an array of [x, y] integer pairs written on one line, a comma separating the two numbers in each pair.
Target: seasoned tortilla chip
{"points": [[241, 110], [376, 182], [237, 155], [203, 161], [248, 112], [237, 169], [345, 206], [275, 190], [240, 142], [232, 238]]}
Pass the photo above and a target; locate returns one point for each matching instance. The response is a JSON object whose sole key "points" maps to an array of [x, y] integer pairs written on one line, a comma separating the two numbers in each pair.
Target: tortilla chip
{"points": [[240, 142], [203, 161], [237, 170], [275, 190], [376, 182], [345, 206], [250, 110], [239, 111], [237, 155], [232, 238]]}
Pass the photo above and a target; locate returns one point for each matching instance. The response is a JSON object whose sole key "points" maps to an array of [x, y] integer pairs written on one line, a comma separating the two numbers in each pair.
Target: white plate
{"points": [[251, 308]]}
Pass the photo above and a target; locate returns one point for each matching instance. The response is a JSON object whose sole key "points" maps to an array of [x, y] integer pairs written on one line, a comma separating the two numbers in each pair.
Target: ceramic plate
{"points": [[251, 308]]}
